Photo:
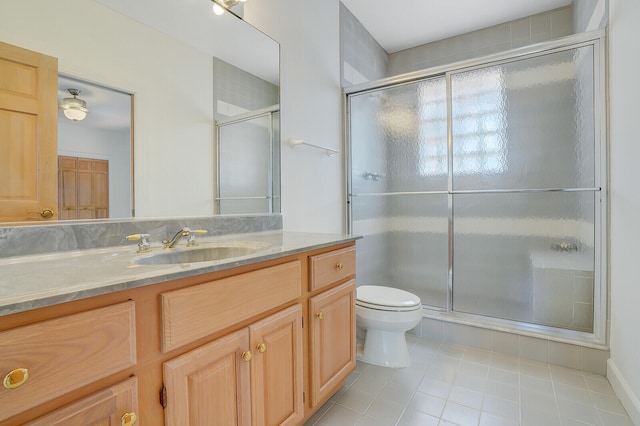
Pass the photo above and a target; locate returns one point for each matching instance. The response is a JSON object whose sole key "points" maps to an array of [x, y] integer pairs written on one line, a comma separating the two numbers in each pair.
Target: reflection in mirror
{"points": [[249, 162], [94, 153], [247, 141], [166, 60]]}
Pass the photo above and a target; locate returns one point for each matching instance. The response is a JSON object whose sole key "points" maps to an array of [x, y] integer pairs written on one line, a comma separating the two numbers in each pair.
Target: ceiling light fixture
{"points": [[74, 108], [219, 6]]}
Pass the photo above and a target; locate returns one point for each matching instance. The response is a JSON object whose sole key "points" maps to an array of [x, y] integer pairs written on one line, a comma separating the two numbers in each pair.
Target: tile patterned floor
{"points": [[450, 384]]}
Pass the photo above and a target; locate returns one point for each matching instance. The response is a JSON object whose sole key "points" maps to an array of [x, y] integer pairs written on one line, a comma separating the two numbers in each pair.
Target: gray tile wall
{"points": [[363, 59], [522, 32], [240, 88], [583, 11]]}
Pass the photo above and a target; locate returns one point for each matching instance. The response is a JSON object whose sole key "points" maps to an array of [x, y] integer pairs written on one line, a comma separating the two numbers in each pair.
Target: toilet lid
{"points": [[386, 298]]}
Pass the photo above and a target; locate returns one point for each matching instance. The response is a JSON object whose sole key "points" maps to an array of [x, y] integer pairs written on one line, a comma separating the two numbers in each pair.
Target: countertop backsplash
{"points": [[29, 239]]}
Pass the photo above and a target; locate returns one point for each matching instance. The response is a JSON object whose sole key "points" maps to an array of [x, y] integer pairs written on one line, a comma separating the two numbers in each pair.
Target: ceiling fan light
{"points": [[75, 114], [74, 108]]}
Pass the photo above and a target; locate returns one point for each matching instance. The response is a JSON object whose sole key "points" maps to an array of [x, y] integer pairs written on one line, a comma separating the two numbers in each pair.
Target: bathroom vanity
{"points": [[263, 338]]}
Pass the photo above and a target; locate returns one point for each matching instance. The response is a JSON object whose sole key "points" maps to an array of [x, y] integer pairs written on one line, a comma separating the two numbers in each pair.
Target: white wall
{"points": [[172, 84], [624, 365], [311, 102]]}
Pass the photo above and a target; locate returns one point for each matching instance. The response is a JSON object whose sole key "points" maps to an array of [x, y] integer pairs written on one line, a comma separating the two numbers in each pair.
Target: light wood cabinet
{"points": [[48, 358], [332, 344], [115, 406], [219, 304], [250, 345], [330, 268], [210, 385], [253, 376], [277, 369]]}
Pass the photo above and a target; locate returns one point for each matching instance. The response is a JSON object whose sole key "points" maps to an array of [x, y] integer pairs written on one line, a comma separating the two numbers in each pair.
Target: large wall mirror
{"points": [[181, 68]]}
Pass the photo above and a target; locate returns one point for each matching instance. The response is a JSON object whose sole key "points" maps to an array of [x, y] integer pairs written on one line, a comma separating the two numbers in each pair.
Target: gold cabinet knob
{"points": [[46, 213], [129, 419], [262, 347], [320, 315], [15, 378], [247, 356], [339, 265]]}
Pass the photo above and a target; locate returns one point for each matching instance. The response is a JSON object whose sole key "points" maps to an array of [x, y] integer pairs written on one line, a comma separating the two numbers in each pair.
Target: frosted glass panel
{"points": [[525, 256], [405, 243], [399, 138], [244, 206], [245, 159], [525, 124]]}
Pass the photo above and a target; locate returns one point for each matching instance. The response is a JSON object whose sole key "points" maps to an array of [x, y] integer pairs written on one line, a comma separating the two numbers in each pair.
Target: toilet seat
{"points": [[386, 299]]}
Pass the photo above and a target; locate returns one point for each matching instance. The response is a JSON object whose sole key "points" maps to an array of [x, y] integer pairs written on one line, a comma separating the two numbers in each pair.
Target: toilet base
{"points": [[385, 348]]}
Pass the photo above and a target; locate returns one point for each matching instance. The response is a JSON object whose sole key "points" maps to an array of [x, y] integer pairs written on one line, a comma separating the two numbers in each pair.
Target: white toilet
{"points": [[385, 314]]}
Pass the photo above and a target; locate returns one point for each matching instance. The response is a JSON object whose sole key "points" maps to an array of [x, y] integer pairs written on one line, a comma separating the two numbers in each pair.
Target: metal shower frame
{"points": [[596, 339]]}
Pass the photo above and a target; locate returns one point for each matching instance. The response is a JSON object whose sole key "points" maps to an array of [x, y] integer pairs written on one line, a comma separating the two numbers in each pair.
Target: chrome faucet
{"points": [[171, 242], [184, 232]]}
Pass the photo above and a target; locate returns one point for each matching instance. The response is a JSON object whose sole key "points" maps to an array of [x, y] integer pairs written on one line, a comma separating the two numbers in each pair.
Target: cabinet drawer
{"points": [[328, 268], [196, 312], [107, 407], [64, 354]]}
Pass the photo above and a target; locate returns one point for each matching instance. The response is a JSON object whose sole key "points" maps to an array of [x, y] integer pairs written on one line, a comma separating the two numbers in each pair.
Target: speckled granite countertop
{"points": [[29, 282]]}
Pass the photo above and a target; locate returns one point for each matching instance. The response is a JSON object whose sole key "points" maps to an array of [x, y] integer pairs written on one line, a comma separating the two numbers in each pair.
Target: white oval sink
{"points": [[202, 253]]}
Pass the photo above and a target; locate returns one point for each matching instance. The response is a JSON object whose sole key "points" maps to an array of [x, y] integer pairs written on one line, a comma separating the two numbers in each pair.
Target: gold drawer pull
{"points": [[129, 419], [262, 348], [16, 378], [320, 315], [339, 266], [246, 356]]}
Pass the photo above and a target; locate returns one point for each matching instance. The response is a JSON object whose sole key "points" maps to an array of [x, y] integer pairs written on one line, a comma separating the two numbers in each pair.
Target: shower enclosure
{"points": [[480, 187], [248, 169]]}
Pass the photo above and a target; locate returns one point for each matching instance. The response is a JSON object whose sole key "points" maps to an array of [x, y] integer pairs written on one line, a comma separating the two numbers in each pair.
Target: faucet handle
{"points": [[191, 241], [143, 245]]}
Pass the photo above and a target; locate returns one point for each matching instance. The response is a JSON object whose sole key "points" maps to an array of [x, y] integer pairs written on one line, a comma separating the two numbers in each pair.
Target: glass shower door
{"points": [[398, 198], [246, 173], [525, 190]]}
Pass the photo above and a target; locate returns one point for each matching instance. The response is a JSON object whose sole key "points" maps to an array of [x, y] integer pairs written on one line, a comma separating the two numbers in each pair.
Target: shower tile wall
{"points": [[363, 59], [584, 10], [522, 32], [239, 91], [557, 288]]}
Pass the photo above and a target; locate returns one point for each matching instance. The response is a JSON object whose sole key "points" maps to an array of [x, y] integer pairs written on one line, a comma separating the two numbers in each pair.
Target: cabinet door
{"points": [[29, 135], [276, 369], [114, 406], [332, 342], [210, 385]]}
